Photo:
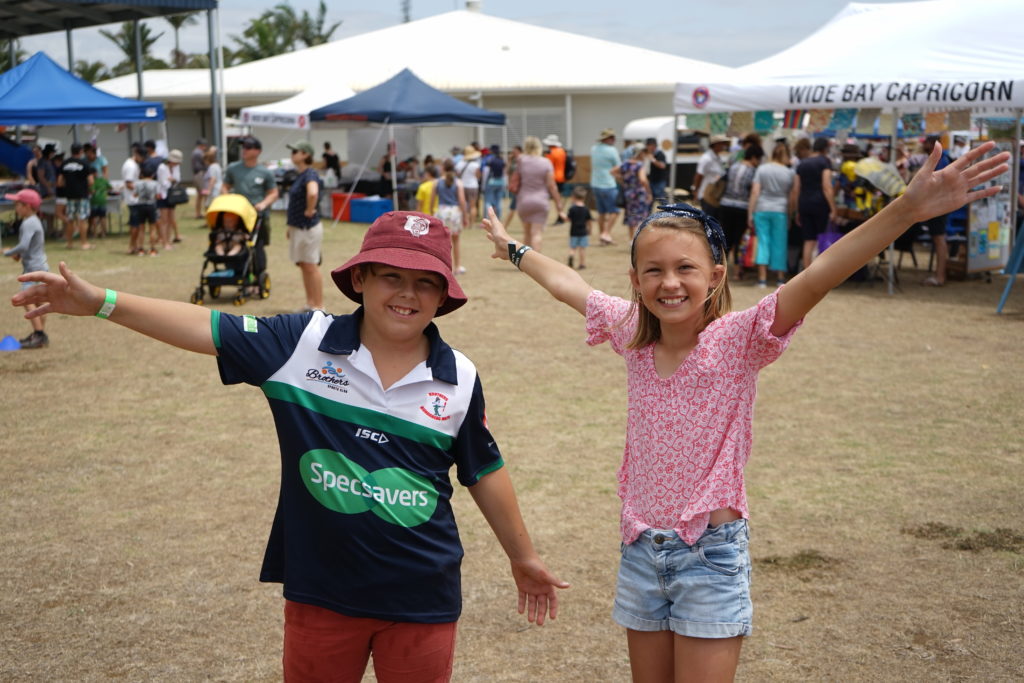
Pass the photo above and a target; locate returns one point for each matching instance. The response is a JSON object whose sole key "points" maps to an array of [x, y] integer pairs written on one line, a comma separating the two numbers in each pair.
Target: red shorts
{"points": [[322, 645]]}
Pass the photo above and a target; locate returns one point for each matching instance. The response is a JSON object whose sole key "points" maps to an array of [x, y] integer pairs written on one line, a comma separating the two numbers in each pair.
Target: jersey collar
{"points": [[342, 338]]}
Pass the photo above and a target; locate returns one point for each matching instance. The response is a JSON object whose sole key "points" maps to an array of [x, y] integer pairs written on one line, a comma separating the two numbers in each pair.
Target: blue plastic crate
{"points": [[368, 210]]}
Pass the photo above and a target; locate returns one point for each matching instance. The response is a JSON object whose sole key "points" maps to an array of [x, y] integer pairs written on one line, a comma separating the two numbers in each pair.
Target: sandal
{"points": [[931, 282]]}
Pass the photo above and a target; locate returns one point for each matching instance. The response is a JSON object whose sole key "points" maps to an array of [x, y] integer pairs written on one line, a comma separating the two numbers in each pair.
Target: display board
{"points": [[990, 222]]}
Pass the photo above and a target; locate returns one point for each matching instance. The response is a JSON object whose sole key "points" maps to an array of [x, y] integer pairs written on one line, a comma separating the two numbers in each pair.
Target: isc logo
{"points": [[364, 433]]}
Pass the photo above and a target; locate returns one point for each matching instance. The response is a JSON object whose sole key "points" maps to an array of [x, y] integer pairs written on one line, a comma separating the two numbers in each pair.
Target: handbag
{"points": [[829, 237], [177, 194], [713, 192]]}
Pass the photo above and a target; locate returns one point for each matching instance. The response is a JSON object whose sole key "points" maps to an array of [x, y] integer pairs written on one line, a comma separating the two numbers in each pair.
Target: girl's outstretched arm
{"points": [[929, 194], [172, 322], [562, 282]]}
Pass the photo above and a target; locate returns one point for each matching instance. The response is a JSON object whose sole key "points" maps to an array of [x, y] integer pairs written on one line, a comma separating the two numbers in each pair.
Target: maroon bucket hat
{"points": [[405, 239]]}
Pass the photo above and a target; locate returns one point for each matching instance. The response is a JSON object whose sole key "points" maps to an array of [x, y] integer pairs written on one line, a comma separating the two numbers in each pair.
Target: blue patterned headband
{"points": [[712, 228]]}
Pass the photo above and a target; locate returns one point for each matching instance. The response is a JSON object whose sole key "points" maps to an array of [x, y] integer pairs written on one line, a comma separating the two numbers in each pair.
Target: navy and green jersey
{"points": [[364, 524]]}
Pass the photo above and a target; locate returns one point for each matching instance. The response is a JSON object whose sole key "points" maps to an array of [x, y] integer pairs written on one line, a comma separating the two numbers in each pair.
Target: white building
{"points": [[545, 81]]}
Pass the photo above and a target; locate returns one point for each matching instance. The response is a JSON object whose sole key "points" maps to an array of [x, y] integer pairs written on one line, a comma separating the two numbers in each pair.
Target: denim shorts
{"points": [[579, 241], [606, 198], [701, 591]]}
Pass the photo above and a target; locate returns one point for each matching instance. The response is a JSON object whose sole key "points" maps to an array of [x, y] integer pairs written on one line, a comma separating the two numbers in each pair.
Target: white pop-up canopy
{"points": [[911, 56], [293, 112]]}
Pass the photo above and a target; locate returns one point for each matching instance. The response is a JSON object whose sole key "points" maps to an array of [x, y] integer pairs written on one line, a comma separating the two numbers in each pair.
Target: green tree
{"points": [[272, 33], [178, 58], [5, 56], [124, 38], [311, 30], [91, 71]]}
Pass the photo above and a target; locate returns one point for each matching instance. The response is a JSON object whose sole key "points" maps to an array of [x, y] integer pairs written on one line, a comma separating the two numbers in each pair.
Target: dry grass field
{"points": [[885, 486]]}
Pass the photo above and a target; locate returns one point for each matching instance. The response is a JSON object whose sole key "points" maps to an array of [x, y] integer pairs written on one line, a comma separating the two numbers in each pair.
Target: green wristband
{"points": [[108, 305]]}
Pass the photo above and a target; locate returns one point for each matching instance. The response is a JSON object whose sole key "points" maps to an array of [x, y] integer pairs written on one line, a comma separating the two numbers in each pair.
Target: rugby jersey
{"points": [[364, 524]]}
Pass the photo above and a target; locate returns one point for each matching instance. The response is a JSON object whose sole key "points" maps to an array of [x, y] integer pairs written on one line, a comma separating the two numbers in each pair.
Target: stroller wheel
{"points": [[197, 297], [239, 300], [264, 285], [214, 291]]}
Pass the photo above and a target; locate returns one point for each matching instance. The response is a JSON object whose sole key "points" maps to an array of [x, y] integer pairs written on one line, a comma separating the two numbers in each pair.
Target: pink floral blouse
{"points": [[688, 437]]}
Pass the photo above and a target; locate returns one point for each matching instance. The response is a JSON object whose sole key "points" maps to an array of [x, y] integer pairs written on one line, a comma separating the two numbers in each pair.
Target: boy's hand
{"points": [[64, 293], [497, 234], [934, 193], [537, 596]]}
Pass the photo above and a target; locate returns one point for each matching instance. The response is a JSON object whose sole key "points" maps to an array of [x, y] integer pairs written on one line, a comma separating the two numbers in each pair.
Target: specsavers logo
{"points": [[396, 495]]}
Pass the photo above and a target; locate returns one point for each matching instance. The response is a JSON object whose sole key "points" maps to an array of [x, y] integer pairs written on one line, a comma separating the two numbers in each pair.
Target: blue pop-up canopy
{"points": [[38, 92], [405, 99]]}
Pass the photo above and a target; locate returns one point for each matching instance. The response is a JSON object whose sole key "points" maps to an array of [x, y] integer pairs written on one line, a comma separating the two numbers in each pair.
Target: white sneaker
{"points": [[460, 270]]}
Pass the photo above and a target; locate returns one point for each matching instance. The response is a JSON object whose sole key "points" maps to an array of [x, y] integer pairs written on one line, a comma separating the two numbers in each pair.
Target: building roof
{"points": [[501, 56], [20, 18]]}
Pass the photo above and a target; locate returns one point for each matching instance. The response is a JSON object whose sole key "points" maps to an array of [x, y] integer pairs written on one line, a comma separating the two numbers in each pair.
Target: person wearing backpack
{"points": [[494, 180]]}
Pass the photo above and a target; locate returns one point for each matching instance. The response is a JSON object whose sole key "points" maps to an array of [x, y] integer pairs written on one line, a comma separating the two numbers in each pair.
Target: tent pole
{"points": [[223, 109], [71, 69], [359, 176], [211, 44], [138, 71], [12, 56], [891, 250], [672, 161], [568, 121], [393, 150]]}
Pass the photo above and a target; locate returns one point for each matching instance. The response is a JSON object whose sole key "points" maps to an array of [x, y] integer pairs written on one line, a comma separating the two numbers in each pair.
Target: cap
{"points": [[405, 239], [175, 156], [26, 196], [250, 142], [552, 141], [718, 139], [606, 133], [302, 146], [651, 141]]}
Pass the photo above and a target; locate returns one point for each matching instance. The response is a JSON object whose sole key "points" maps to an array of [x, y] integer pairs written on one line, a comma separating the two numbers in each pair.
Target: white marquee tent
{"points": [[910, 56], [293, 112]]}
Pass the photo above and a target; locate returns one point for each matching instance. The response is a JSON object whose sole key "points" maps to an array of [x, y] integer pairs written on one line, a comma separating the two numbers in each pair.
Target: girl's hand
{"points": [[497, 234], [64, 293], [934, 193], [537, 596]]}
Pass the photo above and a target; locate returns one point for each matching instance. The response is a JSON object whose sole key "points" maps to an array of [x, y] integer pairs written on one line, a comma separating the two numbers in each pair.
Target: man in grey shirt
{"points": [[32, 255]]}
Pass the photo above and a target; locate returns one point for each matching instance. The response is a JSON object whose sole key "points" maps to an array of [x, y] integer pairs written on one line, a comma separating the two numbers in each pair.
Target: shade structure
{"points": [[911, 56], [39, 92], [405, 99], [293, 112]]}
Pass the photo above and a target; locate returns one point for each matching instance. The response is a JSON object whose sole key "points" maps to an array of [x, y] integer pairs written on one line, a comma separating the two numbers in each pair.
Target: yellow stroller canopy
{"points": [[232, 203]]}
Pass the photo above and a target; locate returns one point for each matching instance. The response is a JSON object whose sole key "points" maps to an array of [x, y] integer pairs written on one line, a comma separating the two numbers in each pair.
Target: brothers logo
{"points": [[396, 495]]}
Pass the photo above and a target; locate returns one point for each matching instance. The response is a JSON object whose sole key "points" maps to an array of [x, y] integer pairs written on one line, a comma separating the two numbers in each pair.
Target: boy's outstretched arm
{"points": [[929, 194], [497, 501], [172, 322], [562, 282]]}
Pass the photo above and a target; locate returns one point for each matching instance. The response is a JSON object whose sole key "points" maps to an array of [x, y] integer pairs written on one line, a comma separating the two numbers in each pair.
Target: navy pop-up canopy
{"points": [[38, 92], [404, 99]]}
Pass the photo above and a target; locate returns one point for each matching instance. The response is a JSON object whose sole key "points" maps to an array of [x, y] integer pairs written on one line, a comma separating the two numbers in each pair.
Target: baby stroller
{"points": [[230, 260]]}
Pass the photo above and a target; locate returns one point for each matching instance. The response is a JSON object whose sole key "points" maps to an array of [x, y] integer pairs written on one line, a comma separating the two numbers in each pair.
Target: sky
{"points": [[728, 32]]}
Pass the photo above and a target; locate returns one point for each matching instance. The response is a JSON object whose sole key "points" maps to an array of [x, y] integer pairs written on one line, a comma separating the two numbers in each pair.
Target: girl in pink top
{"points": [[683, 585]]}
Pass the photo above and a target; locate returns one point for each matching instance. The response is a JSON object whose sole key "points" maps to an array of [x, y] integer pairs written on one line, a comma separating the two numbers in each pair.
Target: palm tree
{"points": [[5, 55], [179, 58], [91, 71], [272, 33], [124, 38], [311, 31]]}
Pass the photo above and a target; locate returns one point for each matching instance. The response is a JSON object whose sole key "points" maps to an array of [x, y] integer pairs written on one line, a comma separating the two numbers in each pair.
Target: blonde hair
{"points": [[717, 303], [532, 146], [780, 153]]}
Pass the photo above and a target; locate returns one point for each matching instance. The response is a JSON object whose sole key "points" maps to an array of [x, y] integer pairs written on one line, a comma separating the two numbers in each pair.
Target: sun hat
{"points": [[719, 139], [301, 146], [175, 156], [26, 196], [470, 153], [552, 141], [606, 133], [405, 239]]}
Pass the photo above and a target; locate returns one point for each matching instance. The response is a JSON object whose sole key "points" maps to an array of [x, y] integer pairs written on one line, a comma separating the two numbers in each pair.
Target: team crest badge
{"points": [[417, 225], [435, 406]]}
